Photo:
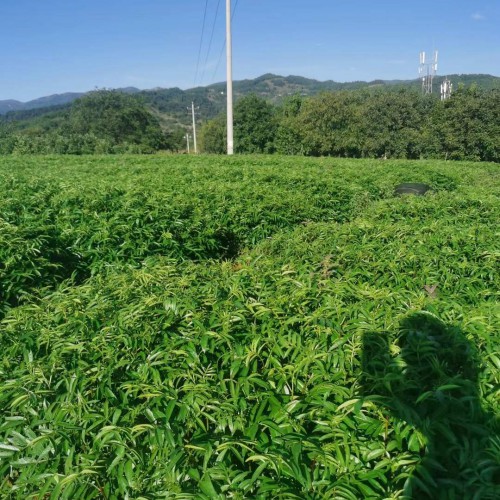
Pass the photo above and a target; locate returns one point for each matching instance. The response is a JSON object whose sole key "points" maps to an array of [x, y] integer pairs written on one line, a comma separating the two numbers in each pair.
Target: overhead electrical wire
{"points": [[224, 44], [211, 40], [201, 42]]}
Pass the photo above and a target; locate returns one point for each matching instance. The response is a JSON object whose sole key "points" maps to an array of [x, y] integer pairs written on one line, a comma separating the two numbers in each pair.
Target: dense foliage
{"points": [[284, 115], [370, 124], [99, 122], [254, 128], [253, 327]]}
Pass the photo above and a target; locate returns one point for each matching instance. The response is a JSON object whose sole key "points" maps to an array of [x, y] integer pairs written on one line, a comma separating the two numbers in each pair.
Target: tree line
{"points": [[359, 123], [101, 122], [366, 124]]}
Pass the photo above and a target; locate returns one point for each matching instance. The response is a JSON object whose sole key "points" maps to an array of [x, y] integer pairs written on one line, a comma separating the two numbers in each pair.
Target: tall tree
{"points": [[288, 137], [117, 117], [254, 125], [213, 135]]}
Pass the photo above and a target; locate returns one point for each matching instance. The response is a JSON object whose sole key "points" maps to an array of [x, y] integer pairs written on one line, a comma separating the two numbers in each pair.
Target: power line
{"points": [[211, 40], [234, 9], [224, 44], [201, 42]]}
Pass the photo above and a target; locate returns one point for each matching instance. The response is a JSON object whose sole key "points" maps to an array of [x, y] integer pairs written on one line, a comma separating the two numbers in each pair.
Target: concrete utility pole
{"points": [[187, 140], [229, 64], [194, 129]]}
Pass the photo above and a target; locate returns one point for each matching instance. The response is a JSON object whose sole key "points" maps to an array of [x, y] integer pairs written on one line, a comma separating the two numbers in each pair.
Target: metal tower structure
{"points": [[446, 89], [427, 71]]}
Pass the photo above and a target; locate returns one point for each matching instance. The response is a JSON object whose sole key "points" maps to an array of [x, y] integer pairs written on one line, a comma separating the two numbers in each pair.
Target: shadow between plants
{"points": [[433, 385], [49, 264]]}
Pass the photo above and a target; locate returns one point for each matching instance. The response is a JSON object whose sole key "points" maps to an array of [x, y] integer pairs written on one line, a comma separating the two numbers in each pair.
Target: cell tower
{"points": [[446, 89], [427, 71]]}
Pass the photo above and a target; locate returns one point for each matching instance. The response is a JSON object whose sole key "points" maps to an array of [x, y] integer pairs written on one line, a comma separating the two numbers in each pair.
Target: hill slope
{"points": [[171, 103]]}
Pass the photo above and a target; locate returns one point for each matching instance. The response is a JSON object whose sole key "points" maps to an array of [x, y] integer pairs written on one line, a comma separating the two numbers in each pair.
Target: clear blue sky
{"points": [[55, 46]]}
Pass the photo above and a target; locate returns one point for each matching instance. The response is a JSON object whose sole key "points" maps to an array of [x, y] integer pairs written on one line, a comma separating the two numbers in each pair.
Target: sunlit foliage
{"points": [[248, 327]]}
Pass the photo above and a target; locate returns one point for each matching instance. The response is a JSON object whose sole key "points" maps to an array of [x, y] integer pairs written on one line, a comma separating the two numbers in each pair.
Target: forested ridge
{"points": [[211, 99], [97, 123], [379, 121]]}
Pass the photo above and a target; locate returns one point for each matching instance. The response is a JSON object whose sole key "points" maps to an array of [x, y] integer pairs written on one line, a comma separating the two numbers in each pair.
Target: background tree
{"points": [[288, 140], [213, 135], [392, 123], [254, 128], [175, 140], [469, 125], [254, 125], [328, 124], [118, 117], [372, 123]]}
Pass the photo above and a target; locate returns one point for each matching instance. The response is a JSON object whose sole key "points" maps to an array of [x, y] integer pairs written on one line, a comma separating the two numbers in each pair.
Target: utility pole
{"points": [[194, 129], [229, 64], [187, 140]]}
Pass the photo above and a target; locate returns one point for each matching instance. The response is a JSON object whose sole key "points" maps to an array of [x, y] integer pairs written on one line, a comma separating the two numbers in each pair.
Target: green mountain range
{"points": [[171, 105]]}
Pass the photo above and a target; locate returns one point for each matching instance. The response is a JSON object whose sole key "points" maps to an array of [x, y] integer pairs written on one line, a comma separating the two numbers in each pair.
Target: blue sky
{"points": [[55, 46]]}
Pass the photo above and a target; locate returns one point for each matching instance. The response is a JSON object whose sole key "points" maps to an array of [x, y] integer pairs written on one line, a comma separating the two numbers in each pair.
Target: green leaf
{"points": [[207, 487]]}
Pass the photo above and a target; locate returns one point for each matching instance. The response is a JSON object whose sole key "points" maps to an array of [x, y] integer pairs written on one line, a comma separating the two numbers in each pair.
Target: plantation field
{"points": [[248, 327]]}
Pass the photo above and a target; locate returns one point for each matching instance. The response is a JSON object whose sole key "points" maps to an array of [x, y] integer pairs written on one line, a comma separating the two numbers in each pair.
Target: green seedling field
{"points": [[248, 327]]}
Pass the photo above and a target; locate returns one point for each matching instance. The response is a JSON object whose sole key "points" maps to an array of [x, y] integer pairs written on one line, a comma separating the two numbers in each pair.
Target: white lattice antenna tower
{"points": [[427, 71], [446, 89]]}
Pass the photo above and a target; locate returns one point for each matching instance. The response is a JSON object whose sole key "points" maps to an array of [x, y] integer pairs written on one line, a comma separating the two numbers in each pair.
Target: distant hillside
{"points": [[42, 102], [171, 105], [274, 86], [10, 105], [49, 101]]}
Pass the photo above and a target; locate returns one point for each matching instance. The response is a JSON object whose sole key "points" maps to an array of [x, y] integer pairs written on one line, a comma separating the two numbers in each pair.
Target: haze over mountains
{"points": [[211, 98]]}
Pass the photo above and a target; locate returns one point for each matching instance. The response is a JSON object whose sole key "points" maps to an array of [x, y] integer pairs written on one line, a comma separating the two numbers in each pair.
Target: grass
{"points": [[252, 327]]}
